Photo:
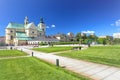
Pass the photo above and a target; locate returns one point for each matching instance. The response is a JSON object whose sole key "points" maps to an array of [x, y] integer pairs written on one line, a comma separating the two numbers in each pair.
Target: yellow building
{"points": [[20, 34]]}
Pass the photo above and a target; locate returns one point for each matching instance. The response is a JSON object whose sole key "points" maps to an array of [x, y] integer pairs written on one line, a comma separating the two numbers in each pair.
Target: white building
{"points": [[70, 34], [116, 35], [102, 36]]}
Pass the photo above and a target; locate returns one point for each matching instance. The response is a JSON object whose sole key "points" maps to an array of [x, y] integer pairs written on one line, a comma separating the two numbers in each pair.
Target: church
{"points": [[27, 33]]}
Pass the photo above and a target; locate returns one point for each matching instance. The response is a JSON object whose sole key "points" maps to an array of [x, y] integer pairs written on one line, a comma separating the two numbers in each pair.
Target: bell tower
{"points": [[41, 20], [42, 24], [42, 27]]}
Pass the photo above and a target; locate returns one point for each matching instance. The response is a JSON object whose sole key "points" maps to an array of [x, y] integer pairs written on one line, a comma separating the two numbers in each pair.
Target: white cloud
{"points": [[88, 32], [112, 24], [47, 27], [117, 23], [53, 26]]}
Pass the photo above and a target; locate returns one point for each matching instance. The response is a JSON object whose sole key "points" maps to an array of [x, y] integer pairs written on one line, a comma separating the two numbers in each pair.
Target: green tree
{"points": [[92, 37], [109, 39], [83, 36], [78, 36], [116, 41], [104, 41], [100, 40]]}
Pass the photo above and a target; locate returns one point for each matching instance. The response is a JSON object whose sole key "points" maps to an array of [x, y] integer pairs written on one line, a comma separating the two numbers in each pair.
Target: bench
{"points": [[77, 48]]}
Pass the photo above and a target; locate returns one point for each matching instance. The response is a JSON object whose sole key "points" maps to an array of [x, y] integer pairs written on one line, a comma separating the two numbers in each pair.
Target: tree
{"points": [[116, 41], [83, 36], [78, 36], [104, 41], [92, 37], [109, 39], [100, 40]]}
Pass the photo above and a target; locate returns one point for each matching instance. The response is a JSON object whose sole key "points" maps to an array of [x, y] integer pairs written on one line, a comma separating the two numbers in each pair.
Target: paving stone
{"points": [[94, 71], [115, 75], [105, 72]]}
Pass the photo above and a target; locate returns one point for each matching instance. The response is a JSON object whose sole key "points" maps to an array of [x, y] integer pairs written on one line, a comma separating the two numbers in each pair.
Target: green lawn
{"points": [[33, 69], [52, 49], [109, 55], [8, 53]]}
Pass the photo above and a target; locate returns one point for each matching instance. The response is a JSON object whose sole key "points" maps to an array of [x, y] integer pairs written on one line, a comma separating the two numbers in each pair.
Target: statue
{"points": [[26, 20]]}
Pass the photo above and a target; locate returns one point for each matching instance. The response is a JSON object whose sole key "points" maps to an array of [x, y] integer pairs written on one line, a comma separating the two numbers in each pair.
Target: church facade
{"points": [[27, 33]]}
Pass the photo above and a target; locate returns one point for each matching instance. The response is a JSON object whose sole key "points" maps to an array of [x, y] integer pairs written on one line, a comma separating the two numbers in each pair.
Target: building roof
{"points": [[22, 36], [15, 25], [21, 26], [30, 25], [44, 39]]}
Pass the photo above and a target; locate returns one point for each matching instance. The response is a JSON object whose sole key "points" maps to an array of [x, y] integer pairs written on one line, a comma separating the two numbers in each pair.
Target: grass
{"points": [[8, 53], [33, 69], [109, 55], [52, 49]]}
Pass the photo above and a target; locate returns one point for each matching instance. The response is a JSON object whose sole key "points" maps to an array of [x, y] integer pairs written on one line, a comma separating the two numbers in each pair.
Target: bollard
{"points": [[11, 47], [57, 62], [32, 53], [21, 50], [88, 45]]}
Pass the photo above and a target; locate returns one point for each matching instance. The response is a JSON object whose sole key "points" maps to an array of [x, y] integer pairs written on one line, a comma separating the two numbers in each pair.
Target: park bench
{"points": [[77, 48]]}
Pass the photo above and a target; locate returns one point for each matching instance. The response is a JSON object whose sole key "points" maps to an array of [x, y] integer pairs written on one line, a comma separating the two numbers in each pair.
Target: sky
{"points": [[101, 17]]}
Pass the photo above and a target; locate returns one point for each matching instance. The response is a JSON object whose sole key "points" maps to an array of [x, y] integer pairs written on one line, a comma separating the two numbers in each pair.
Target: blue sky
{"points": [[63, 16]]}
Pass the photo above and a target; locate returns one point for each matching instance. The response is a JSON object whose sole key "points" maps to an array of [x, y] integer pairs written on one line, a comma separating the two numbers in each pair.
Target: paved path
{"points": [[89, 69]]}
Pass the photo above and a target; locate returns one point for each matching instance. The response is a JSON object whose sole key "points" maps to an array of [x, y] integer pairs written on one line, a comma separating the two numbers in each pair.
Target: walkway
{"points": [[89, 69]]}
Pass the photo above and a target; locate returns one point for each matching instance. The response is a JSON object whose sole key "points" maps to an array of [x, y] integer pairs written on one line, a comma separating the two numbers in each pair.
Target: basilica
{"points": [[27, 33]]}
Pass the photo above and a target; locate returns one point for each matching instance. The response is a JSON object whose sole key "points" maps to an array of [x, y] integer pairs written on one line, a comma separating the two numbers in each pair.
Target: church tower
{"points": [[41, 27]]}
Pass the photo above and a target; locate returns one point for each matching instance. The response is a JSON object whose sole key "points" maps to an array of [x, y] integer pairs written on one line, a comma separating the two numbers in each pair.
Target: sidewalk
{"points": [[89, 69]]}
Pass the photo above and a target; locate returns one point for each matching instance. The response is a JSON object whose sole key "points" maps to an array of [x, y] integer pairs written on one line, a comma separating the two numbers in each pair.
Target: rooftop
{"points": [[15, 25]]}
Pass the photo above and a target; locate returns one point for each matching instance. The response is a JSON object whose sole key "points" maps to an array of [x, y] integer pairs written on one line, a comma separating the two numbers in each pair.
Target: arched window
{"points": [[43, 30], [11, 37], [11, 31]]}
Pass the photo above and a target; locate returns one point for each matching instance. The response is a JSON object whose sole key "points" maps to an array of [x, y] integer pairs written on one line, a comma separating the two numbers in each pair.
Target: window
{"points": [[43, 29], [40, 34], [33, 32], [11, 37], [11, 31]]}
